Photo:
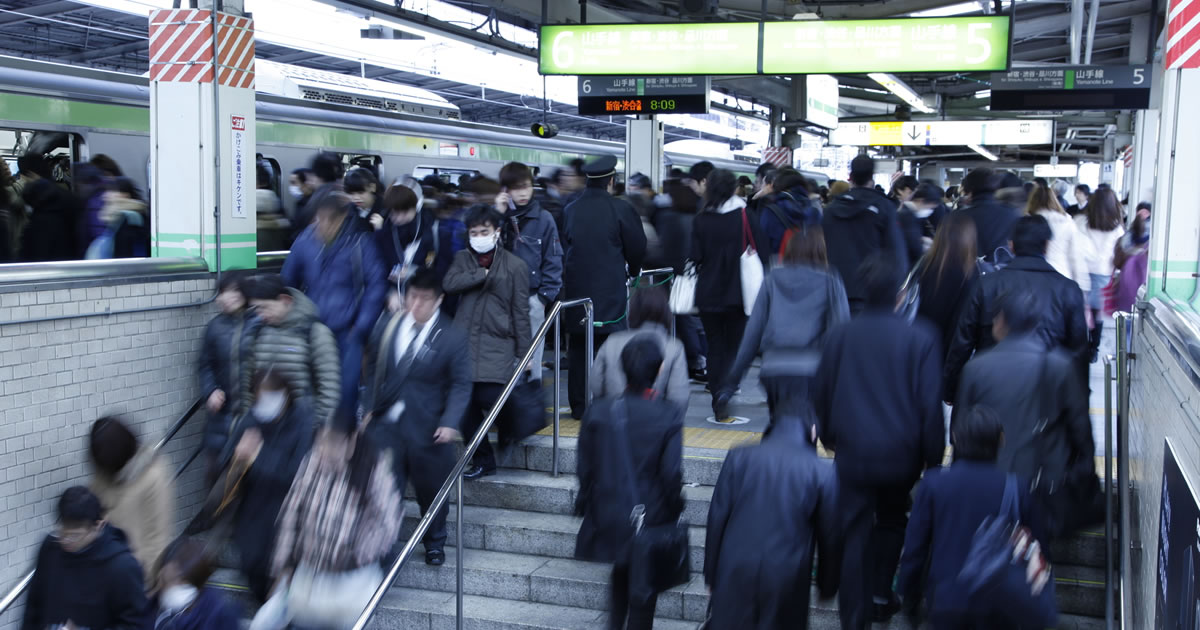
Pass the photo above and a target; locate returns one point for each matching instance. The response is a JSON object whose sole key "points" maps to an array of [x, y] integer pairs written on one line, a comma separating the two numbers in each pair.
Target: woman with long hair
{"points": [[1067, 251], [798, 303], [948, 272], [1101, 225], [720, 233]]}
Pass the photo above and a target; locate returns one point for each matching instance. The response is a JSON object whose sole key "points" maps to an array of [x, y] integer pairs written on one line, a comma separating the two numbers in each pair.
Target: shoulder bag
{"points": [[1005, 572], [751, 267], [659, 557], [683, 291]]}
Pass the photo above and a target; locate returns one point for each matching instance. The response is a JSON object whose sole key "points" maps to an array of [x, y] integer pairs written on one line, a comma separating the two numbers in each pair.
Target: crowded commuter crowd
{"points": [[888, 326]]}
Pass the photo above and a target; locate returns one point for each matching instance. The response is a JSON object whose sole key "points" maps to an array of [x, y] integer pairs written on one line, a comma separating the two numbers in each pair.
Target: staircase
{"points": [[520, 574]]}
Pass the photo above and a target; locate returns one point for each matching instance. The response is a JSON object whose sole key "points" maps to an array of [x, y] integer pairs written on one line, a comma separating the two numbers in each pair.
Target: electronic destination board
{"points": [[945, 44], [948, 44], [649, 49], [627, 96]]}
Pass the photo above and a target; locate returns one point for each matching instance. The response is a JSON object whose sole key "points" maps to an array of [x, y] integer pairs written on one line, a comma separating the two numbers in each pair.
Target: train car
{"points": [[69, 114]]}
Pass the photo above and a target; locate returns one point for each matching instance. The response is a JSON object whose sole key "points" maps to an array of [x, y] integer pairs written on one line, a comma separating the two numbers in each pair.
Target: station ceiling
{"points": [[1126, 31]]}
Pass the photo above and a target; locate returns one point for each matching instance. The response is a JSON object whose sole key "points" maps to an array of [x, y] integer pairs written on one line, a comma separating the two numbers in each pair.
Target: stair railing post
{"points": [[1109, 577], [557, 390], [460, 550], [591, 348]]}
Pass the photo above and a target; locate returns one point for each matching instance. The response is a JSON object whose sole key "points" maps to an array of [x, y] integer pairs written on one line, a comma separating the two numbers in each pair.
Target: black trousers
{"points": [[483, 396], [873, 519], [577, 370], [623, 610], [690, 333], [426, 467], [724, 331]]}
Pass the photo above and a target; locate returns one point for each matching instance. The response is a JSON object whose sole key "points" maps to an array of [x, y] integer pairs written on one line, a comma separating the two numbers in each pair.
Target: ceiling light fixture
{"points": [[984, 152], [901, 89]]}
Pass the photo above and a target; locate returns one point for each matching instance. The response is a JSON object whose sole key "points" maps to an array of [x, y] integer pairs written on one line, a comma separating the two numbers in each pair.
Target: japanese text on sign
{"points": [[238, 124]]}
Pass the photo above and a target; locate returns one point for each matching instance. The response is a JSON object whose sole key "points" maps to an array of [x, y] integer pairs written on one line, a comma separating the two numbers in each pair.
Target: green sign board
{"points": [[952, 44], [650, 49], [949, 44]]}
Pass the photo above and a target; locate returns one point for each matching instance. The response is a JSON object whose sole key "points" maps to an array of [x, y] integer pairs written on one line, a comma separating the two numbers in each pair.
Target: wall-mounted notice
{"points": [[238, 127], [1176, 602]]}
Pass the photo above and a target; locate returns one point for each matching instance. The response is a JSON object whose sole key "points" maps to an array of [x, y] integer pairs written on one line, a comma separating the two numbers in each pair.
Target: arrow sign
{"points": [[914, 133]]}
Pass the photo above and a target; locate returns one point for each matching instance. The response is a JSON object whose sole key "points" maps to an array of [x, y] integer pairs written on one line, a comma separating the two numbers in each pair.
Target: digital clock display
{"points": [[634, 105]]}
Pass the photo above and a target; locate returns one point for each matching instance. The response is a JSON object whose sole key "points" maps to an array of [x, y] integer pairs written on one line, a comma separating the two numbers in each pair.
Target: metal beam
{"points": [[422, 22], [765, 89], [50, 9], [1027, 52], [110, 51], [294, 57], [1062, 21]]}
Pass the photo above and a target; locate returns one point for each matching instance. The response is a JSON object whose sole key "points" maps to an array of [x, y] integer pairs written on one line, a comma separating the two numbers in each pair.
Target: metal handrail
{"points": [[1109, 604], [1124, 527], [589, 334], [17, 590], [456, 473]]}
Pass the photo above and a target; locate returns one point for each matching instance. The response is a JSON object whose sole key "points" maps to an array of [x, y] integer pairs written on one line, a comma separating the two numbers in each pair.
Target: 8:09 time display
{"points": [[627, 105]]}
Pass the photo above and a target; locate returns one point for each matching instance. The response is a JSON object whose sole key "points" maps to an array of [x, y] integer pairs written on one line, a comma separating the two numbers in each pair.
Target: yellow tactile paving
{"points": [[692, 437]]}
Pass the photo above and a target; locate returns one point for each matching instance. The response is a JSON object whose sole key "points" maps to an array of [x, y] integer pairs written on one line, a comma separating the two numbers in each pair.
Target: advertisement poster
{"points": [[1177, 606]]}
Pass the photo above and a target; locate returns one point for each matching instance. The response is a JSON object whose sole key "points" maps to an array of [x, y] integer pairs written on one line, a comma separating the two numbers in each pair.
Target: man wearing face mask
{"points": [[268, 444], [919, 218], [530, 233], [85, 578], [418, 384], [494, 310]]}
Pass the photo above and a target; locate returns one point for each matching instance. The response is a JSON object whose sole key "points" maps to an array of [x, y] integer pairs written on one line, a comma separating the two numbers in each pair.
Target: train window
{"points": [[60, 150], [274, 173], [372, 162], [447, 175]]}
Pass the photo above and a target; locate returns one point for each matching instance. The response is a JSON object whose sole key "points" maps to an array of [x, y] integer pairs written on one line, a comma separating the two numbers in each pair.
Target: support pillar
{"points": [[202, 136], [644, 149], [1145, 156], [1175, 239]]}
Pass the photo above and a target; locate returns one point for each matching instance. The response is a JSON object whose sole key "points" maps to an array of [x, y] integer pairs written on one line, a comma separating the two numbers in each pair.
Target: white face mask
{"points": [[295, 191], [484, 244], [178, 597], [269, 406]]}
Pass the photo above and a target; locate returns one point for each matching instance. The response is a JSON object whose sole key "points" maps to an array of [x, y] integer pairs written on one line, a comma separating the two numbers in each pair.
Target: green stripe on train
{"points": [[67, 113]]}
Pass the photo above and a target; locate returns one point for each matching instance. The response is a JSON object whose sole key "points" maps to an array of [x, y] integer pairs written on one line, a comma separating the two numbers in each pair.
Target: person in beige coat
{"points": [[648, 313], [135, 489]]}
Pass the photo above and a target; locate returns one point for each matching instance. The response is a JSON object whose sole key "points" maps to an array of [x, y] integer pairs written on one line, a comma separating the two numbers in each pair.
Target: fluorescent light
{"points": [[901, 89], [983, 94], [984, 152], [953, 9]]}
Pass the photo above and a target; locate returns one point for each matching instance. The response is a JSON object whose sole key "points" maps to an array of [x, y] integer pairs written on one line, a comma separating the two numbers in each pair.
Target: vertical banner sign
{"points": [[1176, 603], [238, 124]]}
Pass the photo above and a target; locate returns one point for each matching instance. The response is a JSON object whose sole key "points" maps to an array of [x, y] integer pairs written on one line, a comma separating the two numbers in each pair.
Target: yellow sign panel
{"points": [[887, 134]]}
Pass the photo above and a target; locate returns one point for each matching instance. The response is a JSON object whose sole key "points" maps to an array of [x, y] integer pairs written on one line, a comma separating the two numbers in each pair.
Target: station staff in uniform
{"points": [[418, 384], [605, 244]]}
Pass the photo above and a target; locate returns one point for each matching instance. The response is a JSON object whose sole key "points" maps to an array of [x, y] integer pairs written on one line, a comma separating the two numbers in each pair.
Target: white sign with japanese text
{"points": [[239, 189]]}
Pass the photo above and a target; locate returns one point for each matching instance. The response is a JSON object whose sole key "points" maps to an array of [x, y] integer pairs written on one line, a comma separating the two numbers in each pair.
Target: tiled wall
{"points": [[58, 376], [1164, 403]]}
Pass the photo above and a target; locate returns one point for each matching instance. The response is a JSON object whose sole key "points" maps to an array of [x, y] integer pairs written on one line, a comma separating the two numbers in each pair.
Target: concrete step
{"points": [[432, 605], [514, 531], [701, 466], [529, 491]]}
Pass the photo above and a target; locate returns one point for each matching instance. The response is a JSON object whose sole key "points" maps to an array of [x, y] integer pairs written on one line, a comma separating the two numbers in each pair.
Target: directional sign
{"points": [[943, 133], [1072, 88], [947, 44], [649, 49]]}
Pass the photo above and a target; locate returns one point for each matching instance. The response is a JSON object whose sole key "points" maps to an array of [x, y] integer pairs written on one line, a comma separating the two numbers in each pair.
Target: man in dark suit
{"points": [[877, 396], [418, 384], [604, 241]]}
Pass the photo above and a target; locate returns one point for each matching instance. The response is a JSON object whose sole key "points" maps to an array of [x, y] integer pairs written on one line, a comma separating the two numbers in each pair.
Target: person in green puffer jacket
{"points": [[295, 343]]}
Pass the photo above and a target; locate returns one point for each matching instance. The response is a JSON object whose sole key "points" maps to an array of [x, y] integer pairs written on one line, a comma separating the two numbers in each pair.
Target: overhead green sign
{"points": [[951, 44], [649, 49]]}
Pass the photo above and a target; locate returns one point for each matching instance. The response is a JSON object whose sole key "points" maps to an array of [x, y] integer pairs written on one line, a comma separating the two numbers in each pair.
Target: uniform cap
{"points": [[603, 166]]}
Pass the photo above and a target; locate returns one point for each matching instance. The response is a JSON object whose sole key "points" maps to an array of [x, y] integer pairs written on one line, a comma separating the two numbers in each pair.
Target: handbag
{"points": [[659, 557], [1005, 572], [328, 599], [524, 413], [751, 267], [1109, 293], [683, 291], [910, 293]]}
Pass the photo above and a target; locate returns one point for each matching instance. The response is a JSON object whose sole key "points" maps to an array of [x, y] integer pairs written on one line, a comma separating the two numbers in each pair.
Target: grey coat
{"points": [[493, 310], [795, 308], [608, 378], [304, 351]]}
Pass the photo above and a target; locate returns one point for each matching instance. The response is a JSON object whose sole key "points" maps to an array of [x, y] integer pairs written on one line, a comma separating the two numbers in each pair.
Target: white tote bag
{"points": [[683, 291], [751, 267]]}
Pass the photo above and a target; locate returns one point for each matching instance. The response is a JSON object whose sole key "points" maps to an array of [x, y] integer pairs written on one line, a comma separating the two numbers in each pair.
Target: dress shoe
{"points": [[882, 613], [475, 472], [435, 557], [699, 376], [721, 404]]}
